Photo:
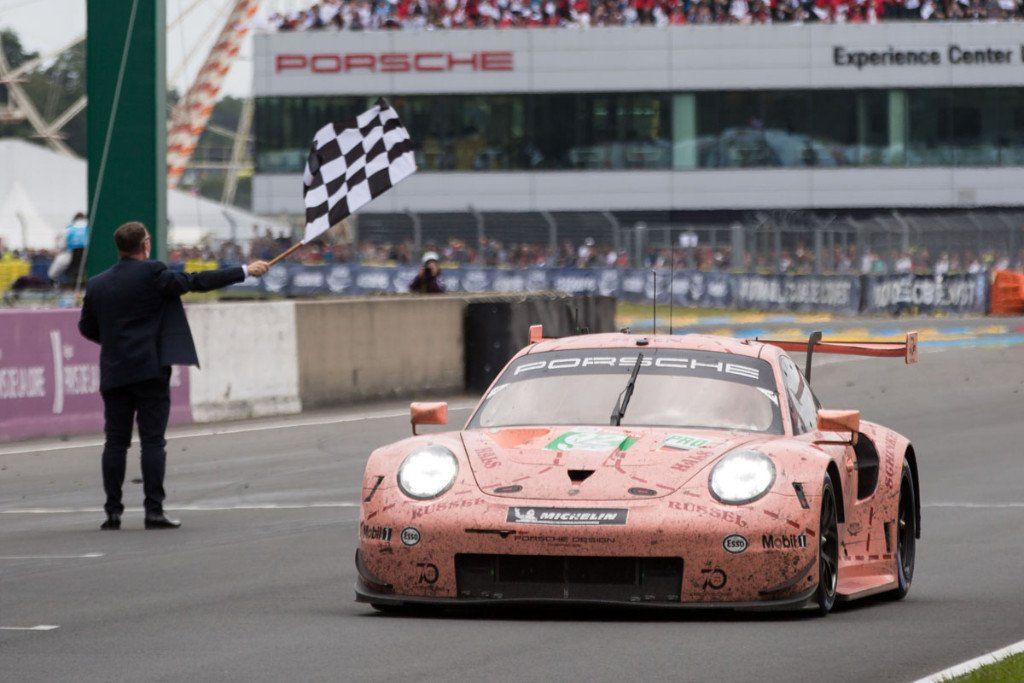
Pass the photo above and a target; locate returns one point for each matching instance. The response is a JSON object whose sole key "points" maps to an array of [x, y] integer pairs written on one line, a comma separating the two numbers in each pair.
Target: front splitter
{"points": [[366, 594]]}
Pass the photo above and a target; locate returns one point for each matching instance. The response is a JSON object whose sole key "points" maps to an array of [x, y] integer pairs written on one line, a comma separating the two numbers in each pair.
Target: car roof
{"points": [[688, 342]]}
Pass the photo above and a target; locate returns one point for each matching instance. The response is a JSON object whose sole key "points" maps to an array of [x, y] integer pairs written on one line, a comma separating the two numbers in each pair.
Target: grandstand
{"points": [[754, 137]]}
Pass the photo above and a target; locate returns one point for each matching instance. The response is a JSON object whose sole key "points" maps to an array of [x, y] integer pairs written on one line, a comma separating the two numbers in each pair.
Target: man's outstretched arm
{"points": [[175, 284]]}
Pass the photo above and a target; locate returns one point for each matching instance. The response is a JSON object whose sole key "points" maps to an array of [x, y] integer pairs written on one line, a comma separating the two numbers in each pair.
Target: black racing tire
{"points": [[828, 550], [906, 535]]}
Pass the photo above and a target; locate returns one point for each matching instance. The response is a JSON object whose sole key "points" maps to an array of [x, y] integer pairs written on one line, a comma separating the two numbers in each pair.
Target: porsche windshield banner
{"points": [[701, 364], [568, 516]]}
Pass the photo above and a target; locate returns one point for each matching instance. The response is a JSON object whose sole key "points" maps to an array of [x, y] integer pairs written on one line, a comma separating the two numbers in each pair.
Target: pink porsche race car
{"points": [[666, 471]]}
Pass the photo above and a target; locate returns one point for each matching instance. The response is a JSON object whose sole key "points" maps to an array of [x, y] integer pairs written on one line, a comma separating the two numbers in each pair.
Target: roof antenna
{"points": [[654, 303], [671, 278]]}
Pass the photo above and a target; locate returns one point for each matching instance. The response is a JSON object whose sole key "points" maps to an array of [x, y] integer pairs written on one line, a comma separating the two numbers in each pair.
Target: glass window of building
{"points": [[702, 130]]}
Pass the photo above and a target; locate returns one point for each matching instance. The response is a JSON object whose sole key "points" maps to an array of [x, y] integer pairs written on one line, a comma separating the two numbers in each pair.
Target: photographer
{"points": [[427, 281]]}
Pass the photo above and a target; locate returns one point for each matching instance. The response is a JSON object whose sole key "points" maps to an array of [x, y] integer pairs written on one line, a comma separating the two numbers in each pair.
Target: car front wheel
{"points": [[828, 549]]}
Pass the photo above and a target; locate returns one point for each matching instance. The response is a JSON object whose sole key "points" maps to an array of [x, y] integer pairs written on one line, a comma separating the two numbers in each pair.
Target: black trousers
{"points": [[150, 403]]}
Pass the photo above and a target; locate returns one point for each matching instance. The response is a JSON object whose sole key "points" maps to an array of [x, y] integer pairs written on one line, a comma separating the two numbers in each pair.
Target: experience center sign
{"points": [[952, 54]]}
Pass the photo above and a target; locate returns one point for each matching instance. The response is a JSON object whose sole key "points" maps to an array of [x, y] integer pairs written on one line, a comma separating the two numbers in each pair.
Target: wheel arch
{"points": [[910, 457], [837, 483]]}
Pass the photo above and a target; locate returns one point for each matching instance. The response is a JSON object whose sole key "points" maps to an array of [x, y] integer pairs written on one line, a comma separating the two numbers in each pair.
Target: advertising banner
{"points": [[837, 293], [50, 378], [800, 293], [964, 293]]}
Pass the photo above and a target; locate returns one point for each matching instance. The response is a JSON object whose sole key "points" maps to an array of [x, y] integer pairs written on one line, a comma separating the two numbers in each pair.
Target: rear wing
{"points": [[907, 350]]}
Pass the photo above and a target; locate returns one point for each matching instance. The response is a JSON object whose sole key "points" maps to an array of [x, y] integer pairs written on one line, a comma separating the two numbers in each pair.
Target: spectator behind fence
{"points": [[427, 281], [362, 15], [69, 264]]}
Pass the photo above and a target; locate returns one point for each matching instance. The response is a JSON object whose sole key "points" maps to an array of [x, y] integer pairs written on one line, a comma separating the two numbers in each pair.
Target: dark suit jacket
{"points": [[133, 311]]}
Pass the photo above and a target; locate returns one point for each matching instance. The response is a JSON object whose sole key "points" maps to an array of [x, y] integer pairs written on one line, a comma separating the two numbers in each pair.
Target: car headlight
{"points": [[742, 477], [427, 472]]}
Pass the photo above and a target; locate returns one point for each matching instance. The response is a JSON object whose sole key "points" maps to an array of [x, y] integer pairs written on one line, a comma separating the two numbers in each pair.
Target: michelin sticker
{"points": [[590, 441], [684, 442]]}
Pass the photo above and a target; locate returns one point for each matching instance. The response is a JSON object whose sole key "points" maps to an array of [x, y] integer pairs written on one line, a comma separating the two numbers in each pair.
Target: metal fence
{"points": [[752, 239]]}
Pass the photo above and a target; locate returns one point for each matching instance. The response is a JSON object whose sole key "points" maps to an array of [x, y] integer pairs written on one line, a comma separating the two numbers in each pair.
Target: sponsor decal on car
{"points": [[684, 442], [691, 460], [562, 540], [734, 544], [783, 541], [488, 457], [410, 536], [671, 363], [568, 516], [581, 440], [708, 511], [446, 505], [714, 578], [428, 573], [375, 533]]}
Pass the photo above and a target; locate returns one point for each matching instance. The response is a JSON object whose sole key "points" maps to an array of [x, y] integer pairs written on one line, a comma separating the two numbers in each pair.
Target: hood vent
{"points": [[579, 476]]}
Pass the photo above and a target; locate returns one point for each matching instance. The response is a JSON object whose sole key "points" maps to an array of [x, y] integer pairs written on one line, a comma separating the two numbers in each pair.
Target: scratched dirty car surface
{"points": [[644, 491]]}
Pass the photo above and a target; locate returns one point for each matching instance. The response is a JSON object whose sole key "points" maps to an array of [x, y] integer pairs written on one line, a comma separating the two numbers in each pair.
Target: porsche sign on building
{"points": [[691, 117]]}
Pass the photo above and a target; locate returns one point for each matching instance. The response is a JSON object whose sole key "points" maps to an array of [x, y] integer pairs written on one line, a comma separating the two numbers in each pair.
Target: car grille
{"points": [[558, 577]]}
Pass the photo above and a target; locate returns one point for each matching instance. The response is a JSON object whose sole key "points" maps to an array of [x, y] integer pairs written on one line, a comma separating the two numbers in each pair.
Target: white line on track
{"points": [[40, 627], [189, 508], [85, 556], [972, 664], [214, 430]]}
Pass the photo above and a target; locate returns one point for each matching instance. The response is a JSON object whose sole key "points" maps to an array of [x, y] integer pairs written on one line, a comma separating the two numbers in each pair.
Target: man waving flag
{"points": [[352, 162]]}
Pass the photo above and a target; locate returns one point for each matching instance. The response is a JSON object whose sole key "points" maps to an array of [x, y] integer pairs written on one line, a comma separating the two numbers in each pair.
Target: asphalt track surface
{"points": [[257, 585]]}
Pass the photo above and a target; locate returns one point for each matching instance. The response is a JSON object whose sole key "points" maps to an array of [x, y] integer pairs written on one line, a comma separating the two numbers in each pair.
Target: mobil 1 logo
{"points": [[783, 541]]}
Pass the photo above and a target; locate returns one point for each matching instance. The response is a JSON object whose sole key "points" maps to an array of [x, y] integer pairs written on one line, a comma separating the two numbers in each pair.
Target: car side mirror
{"points": [[428, 414], [839, 421]]}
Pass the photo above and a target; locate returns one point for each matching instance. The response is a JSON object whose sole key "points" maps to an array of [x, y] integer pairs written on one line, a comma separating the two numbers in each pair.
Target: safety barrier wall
{"points": [[497, 329], [50, 379], [374, 348], [249, 360]]}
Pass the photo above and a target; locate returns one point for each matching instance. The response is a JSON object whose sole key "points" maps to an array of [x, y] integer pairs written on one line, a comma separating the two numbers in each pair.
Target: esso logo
{"points": [[734, 544], [411, 536]]}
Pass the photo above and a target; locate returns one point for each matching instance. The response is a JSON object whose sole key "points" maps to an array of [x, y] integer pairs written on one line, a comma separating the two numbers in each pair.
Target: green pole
{"points": [[127, 145]]}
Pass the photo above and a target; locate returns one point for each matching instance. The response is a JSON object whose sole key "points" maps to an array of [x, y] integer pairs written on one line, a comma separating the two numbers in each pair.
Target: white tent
{"points": [[21, 225], [40, 191]]}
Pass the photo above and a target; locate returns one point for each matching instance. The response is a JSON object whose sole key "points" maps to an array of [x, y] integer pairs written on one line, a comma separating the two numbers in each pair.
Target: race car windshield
{"points": [[674, 388]]}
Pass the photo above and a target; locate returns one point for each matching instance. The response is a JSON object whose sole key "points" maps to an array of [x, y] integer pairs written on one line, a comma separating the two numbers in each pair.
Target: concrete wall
{"points": [[249, 360], [258, 359], [365, 348]]}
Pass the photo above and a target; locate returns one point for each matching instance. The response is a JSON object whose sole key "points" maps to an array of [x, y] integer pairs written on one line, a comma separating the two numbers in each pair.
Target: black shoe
{"points": [[113, 522], [158, 521]]}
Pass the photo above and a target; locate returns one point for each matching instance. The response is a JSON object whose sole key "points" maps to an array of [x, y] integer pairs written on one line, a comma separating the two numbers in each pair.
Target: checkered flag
{"points": [[352, 162]]}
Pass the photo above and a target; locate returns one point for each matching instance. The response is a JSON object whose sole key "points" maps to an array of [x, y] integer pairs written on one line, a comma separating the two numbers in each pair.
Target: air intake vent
{"points": [[577, 476]]}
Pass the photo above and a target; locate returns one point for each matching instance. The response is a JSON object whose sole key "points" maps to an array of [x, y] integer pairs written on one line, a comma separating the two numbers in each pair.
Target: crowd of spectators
{"points": [[588, 253], [360, 15], [799, 259]]}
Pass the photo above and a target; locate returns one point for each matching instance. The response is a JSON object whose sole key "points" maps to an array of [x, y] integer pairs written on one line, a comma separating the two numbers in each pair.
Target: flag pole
{"points": [[284, 254]]}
